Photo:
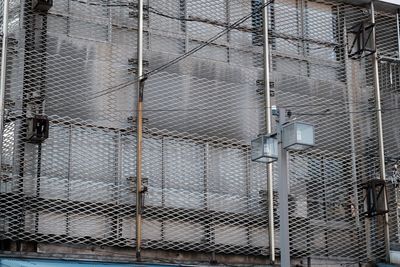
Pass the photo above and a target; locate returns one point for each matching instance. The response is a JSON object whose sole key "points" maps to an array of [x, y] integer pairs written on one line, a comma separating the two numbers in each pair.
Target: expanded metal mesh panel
{"points": [[326, 201], [387, 34], [389, 83], [77, 64]]}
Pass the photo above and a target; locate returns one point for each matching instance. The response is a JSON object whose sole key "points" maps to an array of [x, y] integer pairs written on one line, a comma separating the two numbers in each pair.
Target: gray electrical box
{"points": [[42, 5]]}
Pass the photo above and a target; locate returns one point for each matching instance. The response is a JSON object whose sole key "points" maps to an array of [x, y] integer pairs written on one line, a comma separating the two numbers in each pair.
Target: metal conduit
{"points": [[268, 124], [3, 72], [139, 132], [380, 128]]}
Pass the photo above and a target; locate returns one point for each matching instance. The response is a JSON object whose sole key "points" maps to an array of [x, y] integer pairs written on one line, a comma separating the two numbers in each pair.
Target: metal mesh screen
{"points": [[326, 184], [77, 65], [389, 48]]}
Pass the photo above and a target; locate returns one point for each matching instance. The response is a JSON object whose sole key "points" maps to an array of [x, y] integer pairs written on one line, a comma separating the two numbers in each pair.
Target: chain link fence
{"points": [[76, 64]]}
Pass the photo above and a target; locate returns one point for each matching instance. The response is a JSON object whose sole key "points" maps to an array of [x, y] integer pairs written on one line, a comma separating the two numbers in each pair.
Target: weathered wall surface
{"points": [[76, 64]]}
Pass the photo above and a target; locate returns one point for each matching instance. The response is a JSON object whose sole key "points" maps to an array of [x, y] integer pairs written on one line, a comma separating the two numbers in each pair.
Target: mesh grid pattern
{"points": [[204, 193]]}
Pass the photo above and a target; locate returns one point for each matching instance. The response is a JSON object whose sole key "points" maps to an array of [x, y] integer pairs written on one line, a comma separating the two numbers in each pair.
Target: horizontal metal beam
{"points": [[389, 59]]}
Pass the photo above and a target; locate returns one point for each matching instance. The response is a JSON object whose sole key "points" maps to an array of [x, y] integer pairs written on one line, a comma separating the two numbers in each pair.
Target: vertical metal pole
{"points": [[268, 124], [117, 227], [3, 72], [69, 171], [380, 128], [139, 132], [398, 55], [398, 32], [283, 195]]}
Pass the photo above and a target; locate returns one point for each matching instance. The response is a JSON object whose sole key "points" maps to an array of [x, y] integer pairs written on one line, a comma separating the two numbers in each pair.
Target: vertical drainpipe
{"points": [[139, 132], [380, 128], [3, 72], [268, 118]]}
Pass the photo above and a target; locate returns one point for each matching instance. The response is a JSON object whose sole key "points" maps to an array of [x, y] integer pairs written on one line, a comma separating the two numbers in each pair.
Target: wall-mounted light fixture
{"points": [[265, 149], [269, 148], [297, 136]]}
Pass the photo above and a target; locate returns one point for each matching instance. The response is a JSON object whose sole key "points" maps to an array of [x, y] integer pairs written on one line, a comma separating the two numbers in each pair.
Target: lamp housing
{"points": [[297, 136], [264, 149]]}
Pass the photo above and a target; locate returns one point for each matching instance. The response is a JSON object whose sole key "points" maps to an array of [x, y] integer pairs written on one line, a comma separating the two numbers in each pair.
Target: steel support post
{"points": [[283, 195], [3, 73], [139, 132], [268, 125], [379, 128]]}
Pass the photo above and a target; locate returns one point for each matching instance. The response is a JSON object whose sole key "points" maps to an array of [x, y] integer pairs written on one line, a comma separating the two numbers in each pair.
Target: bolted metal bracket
{"points": [[38, 129], [134, 13], [360, 37], [133, 62], [260, 87], [42, 5], [374, 198]]}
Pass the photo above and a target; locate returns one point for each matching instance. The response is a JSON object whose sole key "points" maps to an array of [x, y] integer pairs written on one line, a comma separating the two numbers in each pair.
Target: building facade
{"points": [[69, 175]]}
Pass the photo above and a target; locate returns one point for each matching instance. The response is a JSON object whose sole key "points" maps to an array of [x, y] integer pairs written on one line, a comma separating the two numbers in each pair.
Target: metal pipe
{"points": [[380, 128], [3, 73], [268, 124], [398, 32], [69, 171], [283, 195], [139, 132]]}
